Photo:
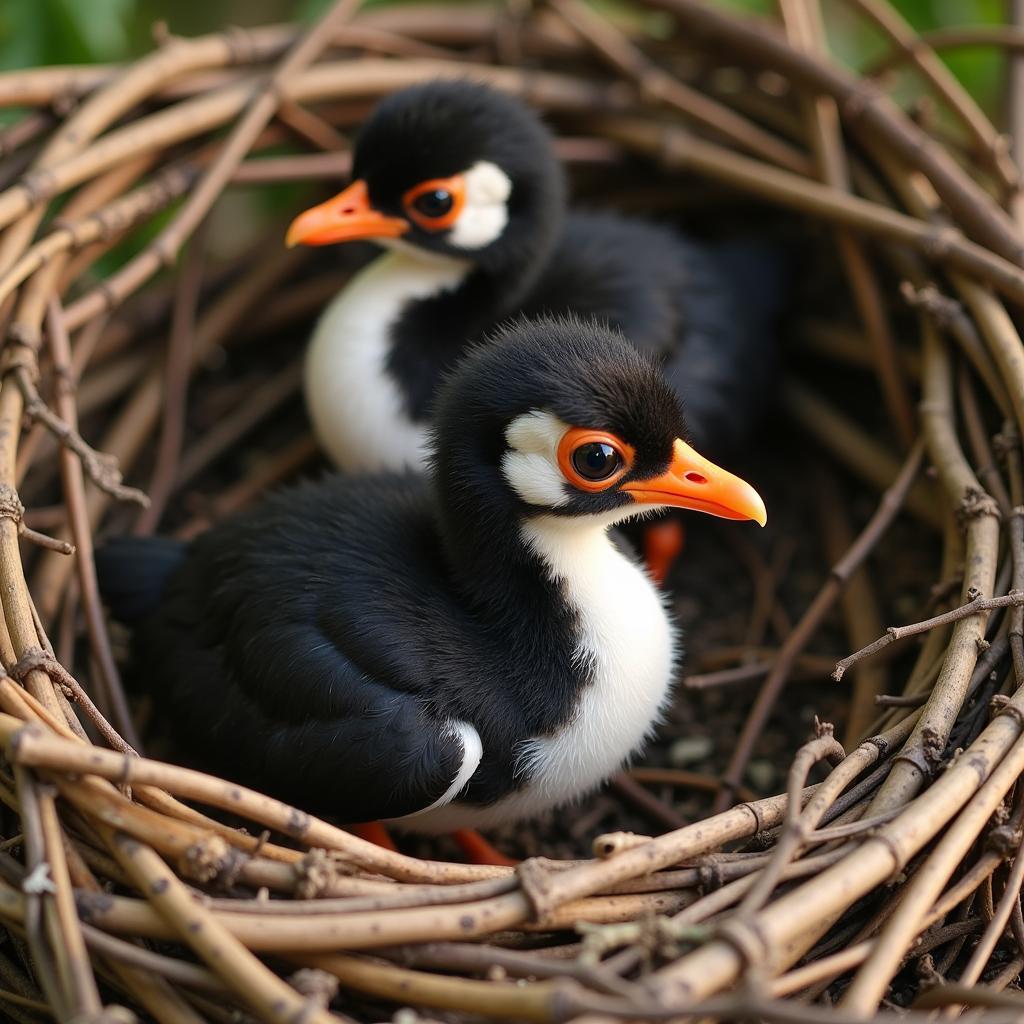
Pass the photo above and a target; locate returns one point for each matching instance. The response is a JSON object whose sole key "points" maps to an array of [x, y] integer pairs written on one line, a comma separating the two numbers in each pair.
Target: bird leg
{"points": [[375, 832], [664, 541], [478, 850]]}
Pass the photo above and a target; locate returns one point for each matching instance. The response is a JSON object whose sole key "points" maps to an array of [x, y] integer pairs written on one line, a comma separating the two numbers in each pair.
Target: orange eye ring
{"points": [[576, 438], [455, 186]]}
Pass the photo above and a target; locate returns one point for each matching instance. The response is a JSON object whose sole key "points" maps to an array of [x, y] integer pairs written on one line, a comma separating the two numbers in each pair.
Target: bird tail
{"points": [[729, 364], [133, 572]]}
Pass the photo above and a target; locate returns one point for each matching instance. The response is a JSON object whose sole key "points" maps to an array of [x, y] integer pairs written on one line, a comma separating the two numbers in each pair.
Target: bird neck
{"points": [[510, 566], [432, 330]]}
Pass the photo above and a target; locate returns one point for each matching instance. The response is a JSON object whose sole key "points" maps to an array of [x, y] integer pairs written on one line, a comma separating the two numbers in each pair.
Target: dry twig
{"points": [[901, 847]]}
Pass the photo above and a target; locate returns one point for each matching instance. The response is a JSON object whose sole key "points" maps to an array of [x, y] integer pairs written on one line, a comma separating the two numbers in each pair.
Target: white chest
{"points": [[627, 639], [355, 405], [629, 643]]}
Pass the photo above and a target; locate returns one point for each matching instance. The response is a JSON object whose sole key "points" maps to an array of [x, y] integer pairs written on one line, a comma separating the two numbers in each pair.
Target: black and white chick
{"points": [[461, 184], [454, 649]]}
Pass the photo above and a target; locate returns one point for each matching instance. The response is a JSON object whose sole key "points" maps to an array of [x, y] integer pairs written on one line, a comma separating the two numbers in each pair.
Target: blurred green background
{"points": [[35, 32]]}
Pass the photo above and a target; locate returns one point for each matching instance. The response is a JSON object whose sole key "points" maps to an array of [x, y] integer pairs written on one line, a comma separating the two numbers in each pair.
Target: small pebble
{"points": [[690, 750]]}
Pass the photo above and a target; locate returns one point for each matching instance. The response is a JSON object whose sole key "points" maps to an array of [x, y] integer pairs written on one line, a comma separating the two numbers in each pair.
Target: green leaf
{"points": [[64, 32]]}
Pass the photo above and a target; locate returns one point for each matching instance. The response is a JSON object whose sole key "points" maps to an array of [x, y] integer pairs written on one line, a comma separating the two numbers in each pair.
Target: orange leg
{"points": [[375, 832], [663, 543], [478, 850]]}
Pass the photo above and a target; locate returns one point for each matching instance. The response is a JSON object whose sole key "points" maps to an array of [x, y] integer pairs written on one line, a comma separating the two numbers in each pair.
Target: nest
{"points": [[893, 881]]}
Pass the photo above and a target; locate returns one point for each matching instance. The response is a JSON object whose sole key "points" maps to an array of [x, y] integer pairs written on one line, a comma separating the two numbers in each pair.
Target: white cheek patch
{"points": [[531, 464], [536, 431], [534, 479], [485, 212]]}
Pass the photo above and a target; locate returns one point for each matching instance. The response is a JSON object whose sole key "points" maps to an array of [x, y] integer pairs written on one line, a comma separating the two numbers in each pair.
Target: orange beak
{"points": [[344, 218], [692, 481]]}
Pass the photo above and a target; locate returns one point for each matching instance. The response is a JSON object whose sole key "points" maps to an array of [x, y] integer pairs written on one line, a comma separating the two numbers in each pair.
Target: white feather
{"points": [[484, 214], [472, 752], [357, 410], [530, 465], [625, 637], [625, 640]]}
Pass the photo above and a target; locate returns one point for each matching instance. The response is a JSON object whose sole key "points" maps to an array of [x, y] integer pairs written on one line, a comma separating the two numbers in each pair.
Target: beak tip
{"points": [[760, 513]]}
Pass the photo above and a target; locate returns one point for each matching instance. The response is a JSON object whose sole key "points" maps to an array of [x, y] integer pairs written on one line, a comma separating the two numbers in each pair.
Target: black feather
{"points": [[709, 312], [133, 573], [318, 646]]}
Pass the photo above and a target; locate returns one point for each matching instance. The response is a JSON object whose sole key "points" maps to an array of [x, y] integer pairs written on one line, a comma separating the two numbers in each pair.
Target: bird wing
{"points": [[257, 685], [726, 369], [708, 310], [385, 759], [619, 270]]}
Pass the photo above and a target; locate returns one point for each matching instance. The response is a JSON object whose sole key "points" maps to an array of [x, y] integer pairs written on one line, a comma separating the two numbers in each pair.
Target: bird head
{"points": [[449, 167], [563, 416]]}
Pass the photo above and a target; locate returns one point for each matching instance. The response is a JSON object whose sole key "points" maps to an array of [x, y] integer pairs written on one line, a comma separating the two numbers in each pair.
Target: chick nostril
{"points": [[696, 478]]}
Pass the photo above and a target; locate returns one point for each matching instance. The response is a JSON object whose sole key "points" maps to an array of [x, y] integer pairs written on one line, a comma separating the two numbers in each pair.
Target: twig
{"points": [[996, 926], [83, 984], [953, 37], [631, 790], [859, 606], [176, 376], [1016, 630], [924, 889], [130, 427], [866, 112], [660, 86], [783, 926], [310, 127], [74, 487], [680, 150], [886, 512], [1014, 599], [888, 700], [180, 972], [871, 460], [823, 746], [32, 745], [38, 898], [979, 513], [36, 660], [260, 402], [806, 666], [101, 469], [804, 28], [689, 780], [916, 50], [240, 970], [847, 853], [988, 472]]}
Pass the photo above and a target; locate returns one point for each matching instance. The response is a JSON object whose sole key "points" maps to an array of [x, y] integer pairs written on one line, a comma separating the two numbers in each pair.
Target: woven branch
{"points": [[895, 880]]}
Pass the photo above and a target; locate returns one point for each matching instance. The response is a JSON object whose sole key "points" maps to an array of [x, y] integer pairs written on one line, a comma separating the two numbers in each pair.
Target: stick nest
{"points": [[889, 886]]}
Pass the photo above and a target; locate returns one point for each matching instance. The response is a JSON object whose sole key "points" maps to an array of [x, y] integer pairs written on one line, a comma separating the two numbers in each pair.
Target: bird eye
{"points": [[596, 460], [435, 203], [593, 460]]}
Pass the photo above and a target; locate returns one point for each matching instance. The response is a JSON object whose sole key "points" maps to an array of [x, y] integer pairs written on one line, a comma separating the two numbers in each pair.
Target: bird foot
{"points": [[663, 543], [375, 832], [478, 850]]}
